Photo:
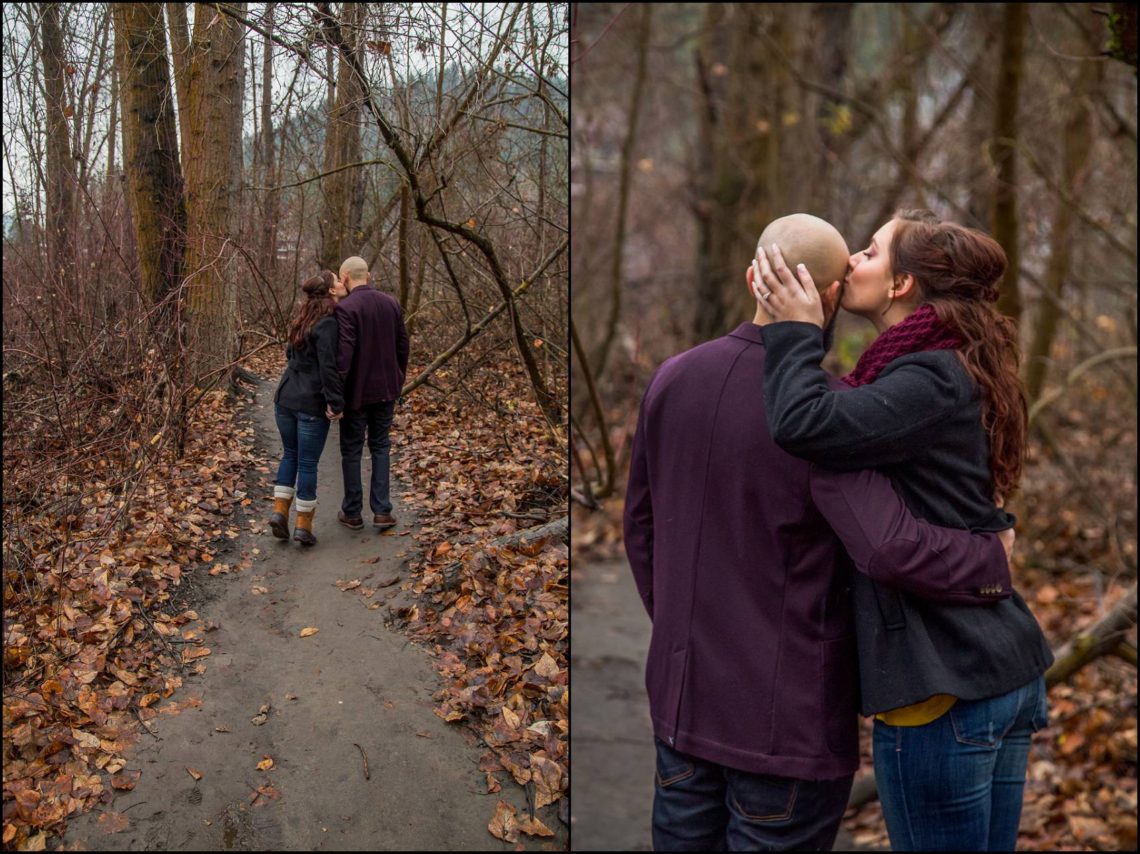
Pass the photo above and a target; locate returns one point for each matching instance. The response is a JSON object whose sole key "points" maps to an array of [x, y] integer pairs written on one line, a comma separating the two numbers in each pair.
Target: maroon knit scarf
{"points": [[921, 331]]}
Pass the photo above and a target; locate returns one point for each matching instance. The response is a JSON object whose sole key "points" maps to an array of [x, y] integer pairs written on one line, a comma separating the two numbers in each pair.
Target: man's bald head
{"points": [[811, 241], [355, 268]]}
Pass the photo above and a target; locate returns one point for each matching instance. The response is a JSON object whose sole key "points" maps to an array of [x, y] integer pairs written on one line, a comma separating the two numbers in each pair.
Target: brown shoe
{"points": [[354, 522], [383, 521]]}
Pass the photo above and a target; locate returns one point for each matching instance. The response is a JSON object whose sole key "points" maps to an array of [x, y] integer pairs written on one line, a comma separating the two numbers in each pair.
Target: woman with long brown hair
{"points": [[309, 394], [935, 402]]}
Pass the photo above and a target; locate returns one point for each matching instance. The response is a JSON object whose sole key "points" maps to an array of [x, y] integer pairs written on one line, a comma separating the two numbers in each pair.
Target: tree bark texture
{"points": [[626, 176], [212, 170], [60, 176], [180, 53], [268, 153], [150, 148], [1077, 145], [1004, 218], [751, 164], [340, 234]]}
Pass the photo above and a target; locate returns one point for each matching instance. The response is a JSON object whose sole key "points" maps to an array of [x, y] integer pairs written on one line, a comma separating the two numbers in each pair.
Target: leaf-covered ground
{"points": [[494, 616], [102, 523], [95, 545]]}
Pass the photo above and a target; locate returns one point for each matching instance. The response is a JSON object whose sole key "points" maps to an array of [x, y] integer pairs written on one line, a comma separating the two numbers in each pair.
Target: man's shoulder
{"points": [[372, 299], [715, 355]]}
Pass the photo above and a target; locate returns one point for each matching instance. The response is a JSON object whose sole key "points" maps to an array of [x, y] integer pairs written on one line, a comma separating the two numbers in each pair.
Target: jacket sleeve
{"points": [[856, 428], [637, 518], [346, 327], [887, 543], [332, 382]]}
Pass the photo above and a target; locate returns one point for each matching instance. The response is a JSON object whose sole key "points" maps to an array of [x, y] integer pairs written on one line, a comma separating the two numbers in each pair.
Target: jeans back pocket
{"points": [[984, 723], [762, 797], [672, 766]]}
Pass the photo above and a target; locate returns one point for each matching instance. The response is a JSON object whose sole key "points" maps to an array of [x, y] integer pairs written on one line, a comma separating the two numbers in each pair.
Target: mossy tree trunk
{"points": [[150, 153], [212, 136]]}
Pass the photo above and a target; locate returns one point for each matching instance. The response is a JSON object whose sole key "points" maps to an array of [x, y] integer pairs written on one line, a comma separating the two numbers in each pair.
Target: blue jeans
{"points": [[956, 783], [703, 806], [376, 419], [303, 438]]}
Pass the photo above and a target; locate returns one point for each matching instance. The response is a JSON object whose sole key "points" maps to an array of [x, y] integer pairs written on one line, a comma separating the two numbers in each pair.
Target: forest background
{"points": [[172, 174], [694, 125]]}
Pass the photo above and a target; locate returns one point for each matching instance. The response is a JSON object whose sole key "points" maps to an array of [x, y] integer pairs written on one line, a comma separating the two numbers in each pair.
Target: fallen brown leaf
{"points": [[193, 772], [503, 824], [533, 827], [125, 780], [309, 631], [113, 822]]}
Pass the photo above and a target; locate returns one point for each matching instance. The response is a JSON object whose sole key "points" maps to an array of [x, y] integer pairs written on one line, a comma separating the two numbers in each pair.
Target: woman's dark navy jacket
{"points": [[920, 423], [311, 381]]}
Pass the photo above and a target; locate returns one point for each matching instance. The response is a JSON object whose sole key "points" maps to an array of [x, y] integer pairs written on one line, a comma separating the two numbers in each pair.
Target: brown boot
{"points": [[279, 521], [303, 533]]}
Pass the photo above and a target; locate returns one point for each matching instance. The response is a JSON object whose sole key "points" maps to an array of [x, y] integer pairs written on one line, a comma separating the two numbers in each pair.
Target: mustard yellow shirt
{"points": [[917, 714]]}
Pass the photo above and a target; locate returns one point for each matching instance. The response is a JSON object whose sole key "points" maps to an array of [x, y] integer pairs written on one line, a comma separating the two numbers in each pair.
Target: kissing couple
{"points": [[809, 548], [347, 357]]}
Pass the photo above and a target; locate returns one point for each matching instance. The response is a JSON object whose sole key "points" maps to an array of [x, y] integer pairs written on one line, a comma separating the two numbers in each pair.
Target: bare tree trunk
{"points": [[180, 53], [403, 246], [1004, 217], [150, 151], [213, 140], [1077, 145], [832, 21], [709, 314], [268, 153], [113, 122], [340, 235], [60, 175], [636, 97]]}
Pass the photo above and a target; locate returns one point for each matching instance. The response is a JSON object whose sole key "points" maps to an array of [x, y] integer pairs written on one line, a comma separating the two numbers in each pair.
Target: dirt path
{"points": [[355, 682], [612, 798]]}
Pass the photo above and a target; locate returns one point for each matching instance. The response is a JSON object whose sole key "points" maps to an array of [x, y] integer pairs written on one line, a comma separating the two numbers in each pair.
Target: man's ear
{"points": [[829, 298]]}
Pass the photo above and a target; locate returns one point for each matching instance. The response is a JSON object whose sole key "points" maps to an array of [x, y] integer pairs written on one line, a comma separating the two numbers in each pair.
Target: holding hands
{"points": [[333, 416], [781, 294]]}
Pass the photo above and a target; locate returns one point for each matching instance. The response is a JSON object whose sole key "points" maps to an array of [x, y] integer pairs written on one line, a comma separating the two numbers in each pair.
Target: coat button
{"points": [[999, 588]]}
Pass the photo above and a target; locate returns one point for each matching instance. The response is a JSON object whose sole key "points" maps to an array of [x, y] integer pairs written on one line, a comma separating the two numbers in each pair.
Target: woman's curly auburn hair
{"points": [[316, 303], [958, 270]]}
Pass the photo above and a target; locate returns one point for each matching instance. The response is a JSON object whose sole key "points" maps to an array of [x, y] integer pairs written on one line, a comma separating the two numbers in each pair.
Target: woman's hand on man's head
{"points": [[782, 296]]}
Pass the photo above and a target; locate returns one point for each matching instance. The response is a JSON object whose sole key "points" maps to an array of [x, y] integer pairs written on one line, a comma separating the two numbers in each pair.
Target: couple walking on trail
{"points": [[348, 355]]}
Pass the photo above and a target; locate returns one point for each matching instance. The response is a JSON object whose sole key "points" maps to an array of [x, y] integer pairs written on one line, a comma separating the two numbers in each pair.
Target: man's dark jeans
{"points": [[702, 806], [376, 419]]}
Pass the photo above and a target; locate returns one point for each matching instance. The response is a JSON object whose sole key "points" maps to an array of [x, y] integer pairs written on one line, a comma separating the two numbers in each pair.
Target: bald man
{"points": [[372, 354], [744, 558]]}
